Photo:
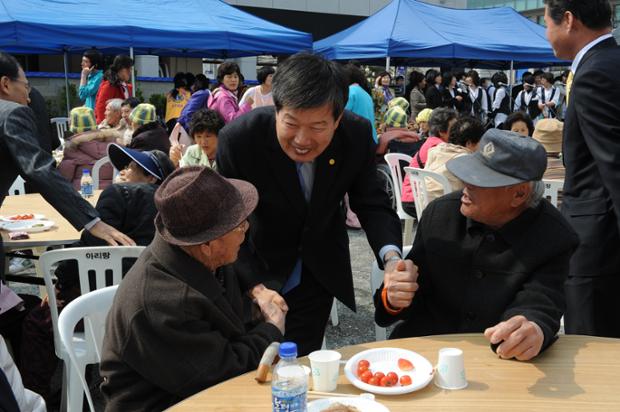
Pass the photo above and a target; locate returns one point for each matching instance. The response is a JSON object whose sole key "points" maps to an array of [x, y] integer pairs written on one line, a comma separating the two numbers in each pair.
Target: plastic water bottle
{"points": [[86, 183], [289, 383]]}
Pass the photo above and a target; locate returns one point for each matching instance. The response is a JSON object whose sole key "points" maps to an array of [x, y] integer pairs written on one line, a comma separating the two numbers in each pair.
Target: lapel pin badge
{"points": [[332, 162]]}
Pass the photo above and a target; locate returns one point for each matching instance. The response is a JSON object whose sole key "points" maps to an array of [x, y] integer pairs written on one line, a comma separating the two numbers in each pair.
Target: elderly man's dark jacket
{"points": [[21, 154], [175, 328], [472, 277], [284, 227]]}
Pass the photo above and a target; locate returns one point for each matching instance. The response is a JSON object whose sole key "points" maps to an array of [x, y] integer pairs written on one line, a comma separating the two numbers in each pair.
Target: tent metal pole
{"points": [[66, 64], [512, 72], [133, 74], [387, 64]]}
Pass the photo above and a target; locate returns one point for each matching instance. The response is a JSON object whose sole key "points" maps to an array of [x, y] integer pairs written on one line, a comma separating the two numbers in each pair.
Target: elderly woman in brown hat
{"points": [[177, 323], [549, 133]]}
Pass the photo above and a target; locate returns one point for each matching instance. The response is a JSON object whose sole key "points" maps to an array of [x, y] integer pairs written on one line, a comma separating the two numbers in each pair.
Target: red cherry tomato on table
{"points": [[405, 380], [393, 377], [373, 381], [379, 375], [361, 369], [363, 362], [385, 381], [365, 376]]}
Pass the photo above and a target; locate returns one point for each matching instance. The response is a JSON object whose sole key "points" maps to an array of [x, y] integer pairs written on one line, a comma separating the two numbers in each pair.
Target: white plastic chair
{"points": [[100, 260], [552, 188], [376, 279], [18, 187], [61, 123], [393, 160], [97, 171], [93, 307], [417, 177]]}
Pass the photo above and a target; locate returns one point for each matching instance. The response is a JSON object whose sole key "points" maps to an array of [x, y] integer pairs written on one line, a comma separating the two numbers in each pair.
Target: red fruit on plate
{"points": [[365, 376], [373, 381], [405, 365], [361, 369], [364, 363], [393, 377], [405, 380], [379, 375], [385, 381]]}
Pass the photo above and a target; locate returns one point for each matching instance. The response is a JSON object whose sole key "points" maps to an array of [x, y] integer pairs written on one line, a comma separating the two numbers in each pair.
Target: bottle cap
{"points": [[288, 350], [85, 171]]}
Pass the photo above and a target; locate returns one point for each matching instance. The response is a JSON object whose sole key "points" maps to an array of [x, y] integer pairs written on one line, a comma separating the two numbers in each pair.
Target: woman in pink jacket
{"points": [[439, 124], [224, 99]]}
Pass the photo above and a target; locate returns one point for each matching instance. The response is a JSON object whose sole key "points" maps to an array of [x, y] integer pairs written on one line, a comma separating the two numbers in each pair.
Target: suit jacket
{"points": [[434, 98], [284, 227], [591, 152], [20, 154]]}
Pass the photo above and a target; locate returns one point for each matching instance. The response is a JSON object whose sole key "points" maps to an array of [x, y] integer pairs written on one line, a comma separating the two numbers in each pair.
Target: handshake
{"points": [[272, 305]]}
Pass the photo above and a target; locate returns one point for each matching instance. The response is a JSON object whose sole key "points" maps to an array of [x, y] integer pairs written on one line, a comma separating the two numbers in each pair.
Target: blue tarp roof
{"points": [[192, 28], [414, 32]]}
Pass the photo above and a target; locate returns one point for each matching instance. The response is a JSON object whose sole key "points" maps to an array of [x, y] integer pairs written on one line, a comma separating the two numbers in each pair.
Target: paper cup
{"points": [[450, 373], [308, 373], [325, 366]]}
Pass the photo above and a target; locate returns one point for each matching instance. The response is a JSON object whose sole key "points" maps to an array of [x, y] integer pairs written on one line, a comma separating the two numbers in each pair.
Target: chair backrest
{"points": [[93, 307], [552, 188], [18, 187], [61, 123], [393, 160], [95, 173], [417, 177], [106, 262]]}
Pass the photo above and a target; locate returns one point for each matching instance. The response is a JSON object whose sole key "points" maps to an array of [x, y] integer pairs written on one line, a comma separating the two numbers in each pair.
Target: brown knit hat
{"points": [[549, 133], [196, 205]]}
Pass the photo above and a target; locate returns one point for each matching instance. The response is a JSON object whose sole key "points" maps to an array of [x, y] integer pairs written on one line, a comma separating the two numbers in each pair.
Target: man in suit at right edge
{"points": [[580, 30]]}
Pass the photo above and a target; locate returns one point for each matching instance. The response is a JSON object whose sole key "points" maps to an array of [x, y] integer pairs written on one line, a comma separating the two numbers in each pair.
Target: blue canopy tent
{"points": [[411, 32], [187, 28]]}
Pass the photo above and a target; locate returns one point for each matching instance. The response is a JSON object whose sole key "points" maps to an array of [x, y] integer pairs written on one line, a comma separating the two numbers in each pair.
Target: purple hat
{"points": [[196, 205]]}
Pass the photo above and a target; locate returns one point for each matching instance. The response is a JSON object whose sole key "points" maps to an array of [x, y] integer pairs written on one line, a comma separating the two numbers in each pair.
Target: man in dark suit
{"points": [[21, 154], [303, 156], [580, 30]]}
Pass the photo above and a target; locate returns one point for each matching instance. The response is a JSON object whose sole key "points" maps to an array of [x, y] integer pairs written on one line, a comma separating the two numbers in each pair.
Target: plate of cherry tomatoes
{"points": [[389, 371], [22, 217]]}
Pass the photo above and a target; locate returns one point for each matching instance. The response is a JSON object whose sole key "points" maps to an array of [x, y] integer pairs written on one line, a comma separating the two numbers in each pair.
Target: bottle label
{"points": [[294, 403], [87, 189]]}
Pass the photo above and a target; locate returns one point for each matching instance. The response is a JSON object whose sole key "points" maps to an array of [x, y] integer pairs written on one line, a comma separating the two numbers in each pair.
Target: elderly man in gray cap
{"points": [[177, 323], [492, 258]]}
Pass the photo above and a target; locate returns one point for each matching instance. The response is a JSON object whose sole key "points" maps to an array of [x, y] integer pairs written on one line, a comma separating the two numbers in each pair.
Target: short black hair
{"points": [[439, 121], [499, 77], [519, 117], [466, 129], [415, 78], [529, 79], [307, 81], [131, 102], [527, 75], [95, 57], [356, 75], [263, 73], [447, 78], [431, 75], [475, 77], [201, 83], [227, 68], [206, 120], [594, 14], [548, 76], [9, 66]]}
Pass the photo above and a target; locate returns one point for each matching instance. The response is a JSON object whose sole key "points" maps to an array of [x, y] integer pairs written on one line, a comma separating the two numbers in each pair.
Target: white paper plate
{"points": [[29, 226], [364, 405], [37, 216], [386, 360]]}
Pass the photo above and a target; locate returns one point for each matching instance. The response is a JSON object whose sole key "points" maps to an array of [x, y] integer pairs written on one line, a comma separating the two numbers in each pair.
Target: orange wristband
{"points": [[386, 305]]}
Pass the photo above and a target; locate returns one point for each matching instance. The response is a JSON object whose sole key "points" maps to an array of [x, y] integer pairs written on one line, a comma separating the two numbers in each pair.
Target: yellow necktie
{"points": [[569, 85]]}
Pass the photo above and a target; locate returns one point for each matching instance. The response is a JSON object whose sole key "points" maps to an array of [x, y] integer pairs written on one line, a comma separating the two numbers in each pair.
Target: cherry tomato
{"points": [[365, 376], [373, 381], [385, 381], [379, 375], [363, 362], [361, 369], [405, 380], [393, 377]]}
